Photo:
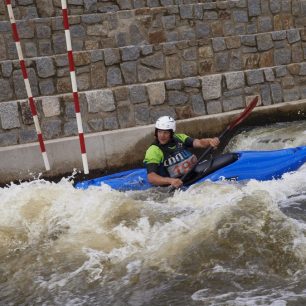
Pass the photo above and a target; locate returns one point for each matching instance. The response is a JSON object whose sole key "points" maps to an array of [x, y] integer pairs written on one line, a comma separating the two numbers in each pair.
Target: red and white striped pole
{"points": [[74, 86], [27, 84]]}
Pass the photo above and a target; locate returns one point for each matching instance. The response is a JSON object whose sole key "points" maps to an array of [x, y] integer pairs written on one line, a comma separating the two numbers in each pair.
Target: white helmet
{"points": [[165, 123]]}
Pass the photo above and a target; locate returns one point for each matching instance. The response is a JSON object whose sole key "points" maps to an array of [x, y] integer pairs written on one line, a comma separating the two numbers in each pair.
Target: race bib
{"points": [[182, 167]]}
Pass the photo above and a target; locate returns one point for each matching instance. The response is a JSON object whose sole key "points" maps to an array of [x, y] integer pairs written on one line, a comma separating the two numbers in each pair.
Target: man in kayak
{"points": [[167, 159]]}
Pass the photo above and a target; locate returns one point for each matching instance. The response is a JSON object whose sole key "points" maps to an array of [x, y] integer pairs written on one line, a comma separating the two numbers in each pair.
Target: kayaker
{"points": [[168, 158]]}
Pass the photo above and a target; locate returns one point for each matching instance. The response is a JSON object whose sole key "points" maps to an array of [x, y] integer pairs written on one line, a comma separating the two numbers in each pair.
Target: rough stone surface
{"points": [[156, 93], [233, 103], [198, 104], [138, 94], [276, 92], [100, 101], [27, 136], [211, 87], [8, 138], [9, 115], [96, 124], [111, 56], [51, 106], [214, 107], [51, 128], [142, 114], [26, 113], [129, 72], [114, 76], [130, 53], [111, 123], [234, 80], [6, 92], [254, 77]]}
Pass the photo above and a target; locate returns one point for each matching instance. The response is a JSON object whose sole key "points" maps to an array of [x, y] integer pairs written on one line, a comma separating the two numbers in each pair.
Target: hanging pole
{"points": [[27, 84], [74, 86]]}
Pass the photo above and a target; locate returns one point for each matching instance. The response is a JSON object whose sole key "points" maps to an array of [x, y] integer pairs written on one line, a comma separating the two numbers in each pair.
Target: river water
{"points": [[224, 243]]}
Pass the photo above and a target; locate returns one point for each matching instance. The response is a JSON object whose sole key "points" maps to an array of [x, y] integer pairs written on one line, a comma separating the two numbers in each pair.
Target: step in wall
{"points": [[134, 105], [140, 64]]}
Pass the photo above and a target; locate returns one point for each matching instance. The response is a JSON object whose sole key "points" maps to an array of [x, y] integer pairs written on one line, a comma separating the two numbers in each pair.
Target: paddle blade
{"points": [[244, 114]]}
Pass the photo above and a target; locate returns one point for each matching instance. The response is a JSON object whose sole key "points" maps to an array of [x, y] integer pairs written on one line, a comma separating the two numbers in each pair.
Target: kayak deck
{"points": [[242, 165]]}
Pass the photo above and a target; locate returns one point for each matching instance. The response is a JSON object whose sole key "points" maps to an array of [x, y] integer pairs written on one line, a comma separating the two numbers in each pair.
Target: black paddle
{"points": [[232, 125]]}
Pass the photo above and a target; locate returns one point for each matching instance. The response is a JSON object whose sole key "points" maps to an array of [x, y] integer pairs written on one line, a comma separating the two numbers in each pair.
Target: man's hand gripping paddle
{"points": [[229, 128]]}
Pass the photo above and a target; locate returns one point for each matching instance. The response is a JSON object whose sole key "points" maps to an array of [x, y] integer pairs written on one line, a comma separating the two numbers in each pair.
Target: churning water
{"points": [[224, 243]]}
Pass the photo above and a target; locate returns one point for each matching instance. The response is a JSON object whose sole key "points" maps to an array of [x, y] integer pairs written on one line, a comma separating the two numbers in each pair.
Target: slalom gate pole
{"points": [[27, 84], [74, 86]]}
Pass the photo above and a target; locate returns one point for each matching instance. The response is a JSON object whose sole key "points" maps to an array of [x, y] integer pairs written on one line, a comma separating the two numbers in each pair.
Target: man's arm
{"points": [[158, 180], [206, 142]]}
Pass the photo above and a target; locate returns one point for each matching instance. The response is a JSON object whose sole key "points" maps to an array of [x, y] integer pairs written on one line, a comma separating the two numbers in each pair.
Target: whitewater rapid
{"points": [[224, 243]]}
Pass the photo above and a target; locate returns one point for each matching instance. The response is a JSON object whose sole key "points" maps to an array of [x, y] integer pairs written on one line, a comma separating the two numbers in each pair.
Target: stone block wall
{"points": [[137, 60], [132, 105], [45, 36], [28, 9], [149, 63]]}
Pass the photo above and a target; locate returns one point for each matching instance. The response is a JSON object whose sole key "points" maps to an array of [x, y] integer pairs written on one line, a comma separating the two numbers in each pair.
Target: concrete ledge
{"points": [[126, 147]]}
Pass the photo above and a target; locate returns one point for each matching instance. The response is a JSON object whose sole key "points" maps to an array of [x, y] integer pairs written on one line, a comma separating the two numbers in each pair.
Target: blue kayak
{"points": [[238, 166]]}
